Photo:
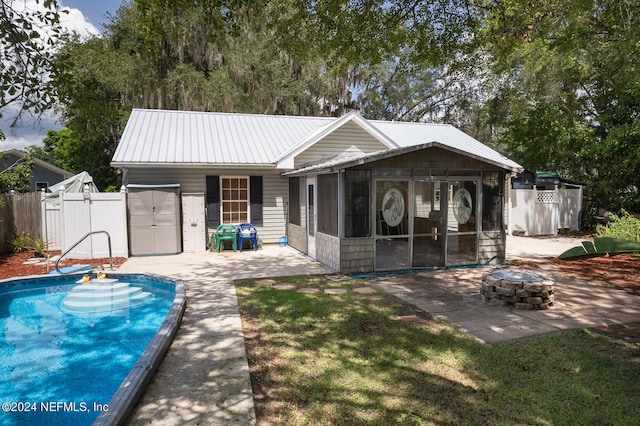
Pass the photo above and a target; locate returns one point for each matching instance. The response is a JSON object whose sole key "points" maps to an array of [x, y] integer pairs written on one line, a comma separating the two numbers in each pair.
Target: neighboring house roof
{"points": [[20, 154], [195, 139]]}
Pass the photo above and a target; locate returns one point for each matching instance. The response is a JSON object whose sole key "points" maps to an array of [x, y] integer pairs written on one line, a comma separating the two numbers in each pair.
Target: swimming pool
{"points": [[74, 352]]}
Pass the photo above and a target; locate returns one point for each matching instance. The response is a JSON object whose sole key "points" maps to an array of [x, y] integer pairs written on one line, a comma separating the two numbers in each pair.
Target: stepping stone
{"points": [[266, 282], [335, 290], [309, 290], [338, 278], [284, 286], [364, 290]]}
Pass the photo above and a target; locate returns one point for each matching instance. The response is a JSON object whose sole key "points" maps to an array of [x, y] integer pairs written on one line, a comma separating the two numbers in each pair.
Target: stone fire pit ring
{"points": [[522, 289]]}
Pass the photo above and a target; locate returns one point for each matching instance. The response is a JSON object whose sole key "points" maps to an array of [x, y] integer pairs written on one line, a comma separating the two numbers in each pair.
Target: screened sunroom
{"points": [[419, 207]]}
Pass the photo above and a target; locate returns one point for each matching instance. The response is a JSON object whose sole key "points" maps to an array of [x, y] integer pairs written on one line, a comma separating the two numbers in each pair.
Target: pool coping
{"points": [[134, 385]]}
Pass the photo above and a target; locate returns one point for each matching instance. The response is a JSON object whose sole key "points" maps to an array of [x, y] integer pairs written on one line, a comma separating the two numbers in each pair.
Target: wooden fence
{"points": [[19, 214]]}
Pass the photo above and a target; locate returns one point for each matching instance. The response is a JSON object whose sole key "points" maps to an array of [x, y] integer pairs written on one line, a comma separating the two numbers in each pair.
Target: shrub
{"points": [[39, 247], [21, 243], [624, 226]]}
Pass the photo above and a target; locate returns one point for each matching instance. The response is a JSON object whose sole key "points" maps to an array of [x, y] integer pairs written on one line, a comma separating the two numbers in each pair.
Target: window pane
{"points": [[328, 204], [235, 200], [492, 201], [294, 201], [357, 203]]}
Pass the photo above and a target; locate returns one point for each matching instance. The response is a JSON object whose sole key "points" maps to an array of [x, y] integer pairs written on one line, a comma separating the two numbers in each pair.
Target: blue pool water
{"points": [[61, 368]]}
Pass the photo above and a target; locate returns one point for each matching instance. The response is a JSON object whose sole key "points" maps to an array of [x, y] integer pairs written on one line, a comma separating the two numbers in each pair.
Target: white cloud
{"points": [[32, 131], [75, 21]]}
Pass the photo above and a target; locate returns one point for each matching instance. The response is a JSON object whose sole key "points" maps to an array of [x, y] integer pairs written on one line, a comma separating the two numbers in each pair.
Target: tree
{"points": [[570, 97], [17, 176], [26, 39]]}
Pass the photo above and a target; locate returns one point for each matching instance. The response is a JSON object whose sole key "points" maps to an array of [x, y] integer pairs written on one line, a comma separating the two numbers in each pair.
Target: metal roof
{"points": [[181, 138], [408, 134], [160, 137]]}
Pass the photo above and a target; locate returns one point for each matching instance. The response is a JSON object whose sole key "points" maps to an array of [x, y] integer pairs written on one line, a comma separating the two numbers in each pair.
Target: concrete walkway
{"points": [[204, 378]]}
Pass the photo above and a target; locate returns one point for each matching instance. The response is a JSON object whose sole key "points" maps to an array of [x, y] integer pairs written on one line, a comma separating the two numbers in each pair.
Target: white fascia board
{"points": [[149, 165], [285, 164]]}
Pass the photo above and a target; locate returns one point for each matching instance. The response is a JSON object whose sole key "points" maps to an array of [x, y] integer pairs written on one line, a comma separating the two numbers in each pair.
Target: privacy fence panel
{"points": [[51, 226], [19, 214], [80, 214], [543, 212]]}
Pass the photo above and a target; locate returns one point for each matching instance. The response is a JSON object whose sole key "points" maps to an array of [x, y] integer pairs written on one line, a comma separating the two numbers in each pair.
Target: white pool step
{"points": [[103, 296]]}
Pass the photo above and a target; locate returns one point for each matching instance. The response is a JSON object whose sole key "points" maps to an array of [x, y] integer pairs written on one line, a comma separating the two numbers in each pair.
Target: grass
{"points": [[320, 359]]}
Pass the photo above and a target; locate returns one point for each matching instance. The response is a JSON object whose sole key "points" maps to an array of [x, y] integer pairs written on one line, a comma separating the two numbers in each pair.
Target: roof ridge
{"points": [[246, 114]]}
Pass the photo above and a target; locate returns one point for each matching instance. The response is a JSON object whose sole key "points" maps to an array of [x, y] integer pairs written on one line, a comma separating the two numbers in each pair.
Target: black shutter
{"points": [[213, 200], [255, 199]]}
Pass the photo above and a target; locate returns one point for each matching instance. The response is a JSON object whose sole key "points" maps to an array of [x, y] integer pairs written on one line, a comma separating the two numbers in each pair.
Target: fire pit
{"points": [[523, 289]]}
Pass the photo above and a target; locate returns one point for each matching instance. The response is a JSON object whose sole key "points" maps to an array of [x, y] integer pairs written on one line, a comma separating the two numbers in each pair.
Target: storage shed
{"points": [[153, 213]]}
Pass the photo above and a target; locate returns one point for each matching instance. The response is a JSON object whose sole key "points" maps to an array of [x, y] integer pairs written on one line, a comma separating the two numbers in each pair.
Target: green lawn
{"points": [[372, 359]]}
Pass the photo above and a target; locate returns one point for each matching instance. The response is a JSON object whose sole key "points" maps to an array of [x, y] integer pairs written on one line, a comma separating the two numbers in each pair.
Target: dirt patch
{"points": [[21, 264]]}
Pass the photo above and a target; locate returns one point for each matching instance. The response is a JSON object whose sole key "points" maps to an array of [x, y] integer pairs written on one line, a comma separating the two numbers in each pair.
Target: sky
{"points": [[85, 17]]}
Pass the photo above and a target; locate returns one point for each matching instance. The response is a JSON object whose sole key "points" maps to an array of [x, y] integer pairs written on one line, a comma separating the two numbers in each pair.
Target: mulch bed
{"points": [[13, 264]]}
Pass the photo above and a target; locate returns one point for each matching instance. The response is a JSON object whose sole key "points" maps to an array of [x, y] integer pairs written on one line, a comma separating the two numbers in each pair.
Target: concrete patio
{"points": [[204, 378]]}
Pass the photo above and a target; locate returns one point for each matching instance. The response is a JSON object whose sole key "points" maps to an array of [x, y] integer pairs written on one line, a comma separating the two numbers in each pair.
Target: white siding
{"points": [[349, 138]]}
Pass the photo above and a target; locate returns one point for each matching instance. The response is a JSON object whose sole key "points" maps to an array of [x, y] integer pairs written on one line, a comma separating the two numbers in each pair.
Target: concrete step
{"points": [[103, 296]]}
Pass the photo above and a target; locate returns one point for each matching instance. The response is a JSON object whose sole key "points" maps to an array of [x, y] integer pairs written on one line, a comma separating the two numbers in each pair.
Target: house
{"points": [[357, 195], [44, 174]]}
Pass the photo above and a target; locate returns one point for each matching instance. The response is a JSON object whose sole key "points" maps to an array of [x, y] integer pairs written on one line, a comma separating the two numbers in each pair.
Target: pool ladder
{"points": [[85, 267]]}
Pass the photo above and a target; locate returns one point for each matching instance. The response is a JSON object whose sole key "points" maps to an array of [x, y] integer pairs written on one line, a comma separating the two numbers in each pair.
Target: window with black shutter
{"points": [[213, 200], [255, 199]]}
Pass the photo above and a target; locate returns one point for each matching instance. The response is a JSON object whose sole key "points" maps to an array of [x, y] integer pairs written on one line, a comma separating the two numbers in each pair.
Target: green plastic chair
{"points": [[226, 232]]}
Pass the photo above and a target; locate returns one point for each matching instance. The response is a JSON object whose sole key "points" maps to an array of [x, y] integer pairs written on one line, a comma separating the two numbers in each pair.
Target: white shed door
{"points": [[194, 230]]}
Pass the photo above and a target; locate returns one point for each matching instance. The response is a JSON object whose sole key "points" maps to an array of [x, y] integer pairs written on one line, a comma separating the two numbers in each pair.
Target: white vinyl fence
{"points": [[542, 212], [79, 214]]}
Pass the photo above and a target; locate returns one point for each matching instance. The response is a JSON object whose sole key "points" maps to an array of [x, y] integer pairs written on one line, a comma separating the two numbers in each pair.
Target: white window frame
{"points": [[233, 215]]}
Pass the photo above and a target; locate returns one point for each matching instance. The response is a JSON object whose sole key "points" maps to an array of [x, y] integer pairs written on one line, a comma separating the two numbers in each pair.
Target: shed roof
{"points": [[155, 138]]}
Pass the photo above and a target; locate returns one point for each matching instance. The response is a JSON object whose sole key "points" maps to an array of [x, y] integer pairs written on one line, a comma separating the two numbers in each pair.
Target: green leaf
{"points": [[599, 248]]}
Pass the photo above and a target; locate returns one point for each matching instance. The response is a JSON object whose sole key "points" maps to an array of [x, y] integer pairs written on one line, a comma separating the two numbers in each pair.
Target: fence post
{"points": [[63, 239], [43, 217], [125, 228]]}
